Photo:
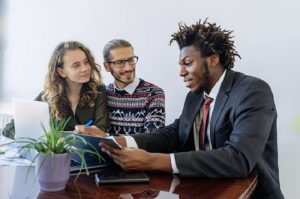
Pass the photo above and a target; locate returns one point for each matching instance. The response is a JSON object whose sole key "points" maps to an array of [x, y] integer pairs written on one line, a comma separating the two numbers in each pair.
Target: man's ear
{"points": [[213, 60], [106, 66], [61, 73]]}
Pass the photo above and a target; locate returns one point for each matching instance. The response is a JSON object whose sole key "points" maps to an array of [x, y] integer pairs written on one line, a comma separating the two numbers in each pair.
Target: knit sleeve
{"points": [[155, 111]]}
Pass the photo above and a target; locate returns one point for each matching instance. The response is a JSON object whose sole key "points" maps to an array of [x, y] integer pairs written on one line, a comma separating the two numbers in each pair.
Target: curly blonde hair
{"points": [[55, 86]]}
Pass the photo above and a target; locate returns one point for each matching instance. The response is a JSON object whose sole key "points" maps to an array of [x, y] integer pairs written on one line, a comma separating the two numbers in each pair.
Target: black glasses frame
{"points": [[121, 63]]}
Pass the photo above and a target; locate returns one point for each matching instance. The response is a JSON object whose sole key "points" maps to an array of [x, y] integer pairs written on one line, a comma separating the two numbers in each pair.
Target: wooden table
{"points": [[162, 185]]}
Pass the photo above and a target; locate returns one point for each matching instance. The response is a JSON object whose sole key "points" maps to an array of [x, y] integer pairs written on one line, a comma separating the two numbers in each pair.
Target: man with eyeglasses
{"points": [[134, 105]]}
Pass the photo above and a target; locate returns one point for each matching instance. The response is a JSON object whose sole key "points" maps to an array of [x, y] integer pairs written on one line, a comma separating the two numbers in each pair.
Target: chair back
{"points": [[4, 119]]}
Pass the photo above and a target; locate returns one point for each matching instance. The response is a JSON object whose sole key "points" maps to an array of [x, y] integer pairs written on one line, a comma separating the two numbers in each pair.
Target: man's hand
{"points": [[91, 130], [138, 159]]}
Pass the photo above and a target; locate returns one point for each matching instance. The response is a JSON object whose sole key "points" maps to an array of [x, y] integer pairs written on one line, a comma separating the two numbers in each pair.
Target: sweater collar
{"points": [[130, 88]]}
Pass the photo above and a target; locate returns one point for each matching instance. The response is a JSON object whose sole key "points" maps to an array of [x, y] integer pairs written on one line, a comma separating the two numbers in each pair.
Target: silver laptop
{"points": [[29, 116]]}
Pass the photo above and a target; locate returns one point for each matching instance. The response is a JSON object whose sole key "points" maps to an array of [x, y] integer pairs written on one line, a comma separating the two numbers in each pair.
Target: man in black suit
{"points": [[241, 135]]}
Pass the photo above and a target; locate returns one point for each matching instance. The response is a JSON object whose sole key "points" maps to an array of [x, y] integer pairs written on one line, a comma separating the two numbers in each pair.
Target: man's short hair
{"points": [[113, 44], [209, 39]]}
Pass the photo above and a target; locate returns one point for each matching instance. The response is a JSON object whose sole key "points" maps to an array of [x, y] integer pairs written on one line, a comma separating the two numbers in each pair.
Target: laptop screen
{"points": [[29, 116]]}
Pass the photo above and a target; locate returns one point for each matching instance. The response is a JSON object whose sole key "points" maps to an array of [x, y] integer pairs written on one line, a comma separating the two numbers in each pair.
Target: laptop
{"points": [[29, 115], [28, 118]]}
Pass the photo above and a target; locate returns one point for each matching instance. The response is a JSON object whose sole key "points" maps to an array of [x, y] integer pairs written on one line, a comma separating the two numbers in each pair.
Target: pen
{"points": [[89, 123]]}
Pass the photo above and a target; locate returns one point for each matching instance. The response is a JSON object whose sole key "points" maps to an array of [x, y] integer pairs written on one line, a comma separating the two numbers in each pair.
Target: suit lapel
{"points": [[220, 102]]}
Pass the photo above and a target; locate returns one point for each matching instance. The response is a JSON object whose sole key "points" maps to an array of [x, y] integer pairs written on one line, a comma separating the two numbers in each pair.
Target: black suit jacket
{"points": [[243, 133]]}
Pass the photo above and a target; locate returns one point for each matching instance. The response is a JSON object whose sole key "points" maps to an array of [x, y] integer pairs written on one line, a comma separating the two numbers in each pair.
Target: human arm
{"points": [[133, 158], [155, 111], [163, 140], [139, 159]]}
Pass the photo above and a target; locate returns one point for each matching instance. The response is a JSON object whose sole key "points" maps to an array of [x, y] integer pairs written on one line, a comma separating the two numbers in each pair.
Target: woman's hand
{"points": [[91, 130]]}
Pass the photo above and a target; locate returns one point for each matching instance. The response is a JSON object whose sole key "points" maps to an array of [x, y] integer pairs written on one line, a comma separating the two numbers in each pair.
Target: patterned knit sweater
{"points": [[141, 112]]}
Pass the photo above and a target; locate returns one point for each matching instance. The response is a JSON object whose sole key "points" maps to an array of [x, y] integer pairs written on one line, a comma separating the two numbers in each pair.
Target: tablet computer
{"points": [[91, 160]]}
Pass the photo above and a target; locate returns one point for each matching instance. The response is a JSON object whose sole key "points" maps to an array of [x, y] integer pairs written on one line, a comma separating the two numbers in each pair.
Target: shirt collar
{"points": [[215, 90], [130, 88]]}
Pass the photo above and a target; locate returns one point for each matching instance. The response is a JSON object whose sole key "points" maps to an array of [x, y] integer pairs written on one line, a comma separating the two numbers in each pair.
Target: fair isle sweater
{"points": [[139, 112]]}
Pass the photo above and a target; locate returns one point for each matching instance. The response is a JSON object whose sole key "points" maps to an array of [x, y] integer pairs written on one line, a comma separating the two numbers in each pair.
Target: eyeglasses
{"points": [[121, 63]]}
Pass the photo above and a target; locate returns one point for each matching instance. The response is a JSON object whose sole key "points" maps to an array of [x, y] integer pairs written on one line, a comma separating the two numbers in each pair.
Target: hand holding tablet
{"points": [[112, 142], [96, 140]]}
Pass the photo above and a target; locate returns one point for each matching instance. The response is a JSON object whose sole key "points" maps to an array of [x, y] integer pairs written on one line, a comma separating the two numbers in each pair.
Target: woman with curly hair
{"points": [[73, 88]]}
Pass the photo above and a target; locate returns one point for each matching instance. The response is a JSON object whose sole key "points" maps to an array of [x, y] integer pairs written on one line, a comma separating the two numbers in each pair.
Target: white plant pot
{"points": [[53, 171]]}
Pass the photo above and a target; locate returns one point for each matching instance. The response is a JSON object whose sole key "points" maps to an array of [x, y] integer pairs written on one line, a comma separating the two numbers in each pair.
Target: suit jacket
{"points": [[243, 133]]}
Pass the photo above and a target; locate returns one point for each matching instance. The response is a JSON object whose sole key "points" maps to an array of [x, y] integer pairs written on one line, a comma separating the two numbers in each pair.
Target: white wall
{"points": [[266, 36]]}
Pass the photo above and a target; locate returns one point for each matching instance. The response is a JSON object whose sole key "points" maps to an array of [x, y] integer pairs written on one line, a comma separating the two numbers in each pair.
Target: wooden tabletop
{"points": [[162, 185]]}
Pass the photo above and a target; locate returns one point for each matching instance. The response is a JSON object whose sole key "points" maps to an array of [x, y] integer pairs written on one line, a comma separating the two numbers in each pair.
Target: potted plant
{"points": [[52, 156]]}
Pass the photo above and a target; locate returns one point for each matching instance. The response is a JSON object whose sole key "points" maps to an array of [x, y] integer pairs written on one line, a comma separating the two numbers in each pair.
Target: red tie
{"points": [[202, 130]]}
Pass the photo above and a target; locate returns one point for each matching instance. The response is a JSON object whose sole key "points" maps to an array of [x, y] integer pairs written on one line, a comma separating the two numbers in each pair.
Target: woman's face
{"points": [[76, 68]]}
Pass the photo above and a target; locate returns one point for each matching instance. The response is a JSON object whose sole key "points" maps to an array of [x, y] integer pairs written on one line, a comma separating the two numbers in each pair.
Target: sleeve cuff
{"points": [[173, 164], [130, 142]]}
